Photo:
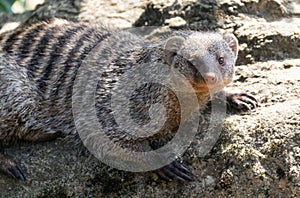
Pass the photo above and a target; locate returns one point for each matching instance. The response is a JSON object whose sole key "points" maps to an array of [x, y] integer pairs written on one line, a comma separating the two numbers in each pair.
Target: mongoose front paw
{"points": [[9, 166], [241, 101], [175, 171]]}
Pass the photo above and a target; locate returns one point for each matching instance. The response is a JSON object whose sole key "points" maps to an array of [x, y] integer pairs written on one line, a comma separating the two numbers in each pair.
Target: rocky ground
{"points": [[258, 153]]}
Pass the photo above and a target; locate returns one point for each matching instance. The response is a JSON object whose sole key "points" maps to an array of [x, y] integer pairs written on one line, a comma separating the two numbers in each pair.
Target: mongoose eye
{"points": [[221, 61]]}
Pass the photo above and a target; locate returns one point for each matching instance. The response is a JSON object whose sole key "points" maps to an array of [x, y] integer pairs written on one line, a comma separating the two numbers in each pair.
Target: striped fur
{"points": [[39, 64], [48, 50], [51, 54]]}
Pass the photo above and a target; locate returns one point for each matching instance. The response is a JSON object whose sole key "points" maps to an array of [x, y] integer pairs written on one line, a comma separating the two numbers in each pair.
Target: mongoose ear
{"points": [[232, 42], [172, 46]]}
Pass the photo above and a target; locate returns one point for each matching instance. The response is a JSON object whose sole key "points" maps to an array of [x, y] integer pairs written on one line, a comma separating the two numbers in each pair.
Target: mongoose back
{"points": [[39, 64]]}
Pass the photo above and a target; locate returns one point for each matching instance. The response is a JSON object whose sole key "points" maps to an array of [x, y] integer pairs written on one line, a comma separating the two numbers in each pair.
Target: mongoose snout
{"points": [[210, 78]]}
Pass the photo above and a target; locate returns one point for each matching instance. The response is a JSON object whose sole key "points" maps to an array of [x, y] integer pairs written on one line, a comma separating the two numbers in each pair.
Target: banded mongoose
{"points": [[39, 64]]}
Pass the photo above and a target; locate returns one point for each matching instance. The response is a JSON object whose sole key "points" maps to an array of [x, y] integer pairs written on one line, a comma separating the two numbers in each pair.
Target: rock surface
{"points": [[258, 153]]}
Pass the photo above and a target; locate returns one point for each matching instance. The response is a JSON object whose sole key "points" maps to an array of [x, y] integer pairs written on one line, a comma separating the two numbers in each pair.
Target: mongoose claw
{"points": [[10, 167], [175, 171], [242, 101]]}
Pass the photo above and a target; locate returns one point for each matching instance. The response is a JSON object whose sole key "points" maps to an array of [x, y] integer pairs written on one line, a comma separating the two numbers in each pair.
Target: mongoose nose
{"points": [[210, 78]]}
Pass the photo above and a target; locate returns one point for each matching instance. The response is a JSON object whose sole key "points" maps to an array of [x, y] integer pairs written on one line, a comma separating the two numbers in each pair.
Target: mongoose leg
{"points": [[175, 171], [18, 109], [241, 101], [10, 167]]}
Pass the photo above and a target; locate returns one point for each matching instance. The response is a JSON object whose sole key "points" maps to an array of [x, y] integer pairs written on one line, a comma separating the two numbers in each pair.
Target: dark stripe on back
{"points": [[91, 34], [87, 49], [33, 64], [56, 53], [27, 40], [11, 40]]}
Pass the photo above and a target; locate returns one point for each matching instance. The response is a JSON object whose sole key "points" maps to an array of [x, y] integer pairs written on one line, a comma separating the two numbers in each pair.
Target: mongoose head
{"points": [[206, 59]]}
